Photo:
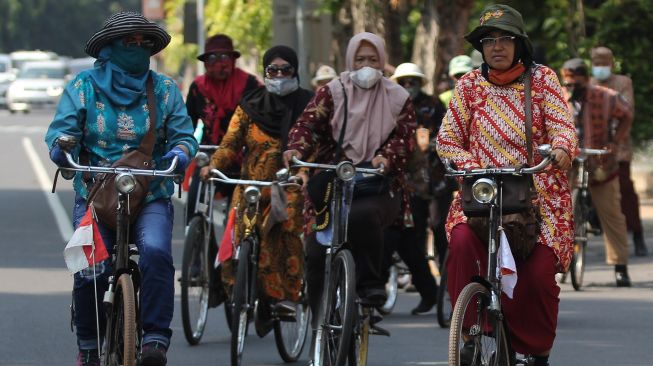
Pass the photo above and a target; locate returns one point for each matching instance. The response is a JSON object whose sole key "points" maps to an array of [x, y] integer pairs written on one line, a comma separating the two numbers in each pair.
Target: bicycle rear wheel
{"points": [[360, 342], [240, 303], [290, 331], [120, 342], [195, 274], [444, 310], [477, 336], [577, 267], [334, 334]]}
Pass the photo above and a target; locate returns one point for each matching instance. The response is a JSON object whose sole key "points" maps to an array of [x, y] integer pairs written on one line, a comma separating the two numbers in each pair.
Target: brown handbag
{"points": [[103, 195], [520, 217]]}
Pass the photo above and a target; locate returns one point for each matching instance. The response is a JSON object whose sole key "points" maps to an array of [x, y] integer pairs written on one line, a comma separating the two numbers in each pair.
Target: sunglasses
{"points": [[275, 70], [217, 57], [133, 42], [501, 41]]}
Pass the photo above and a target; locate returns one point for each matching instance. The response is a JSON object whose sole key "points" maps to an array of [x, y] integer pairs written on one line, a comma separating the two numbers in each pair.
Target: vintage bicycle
{"points": [[345, 321], [290, 325], [477, 316], [123, 335]]}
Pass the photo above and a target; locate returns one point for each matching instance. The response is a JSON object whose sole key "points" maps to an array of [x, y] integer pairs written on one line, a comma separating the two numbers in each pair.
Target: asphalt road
{"points": [[601, 325]]}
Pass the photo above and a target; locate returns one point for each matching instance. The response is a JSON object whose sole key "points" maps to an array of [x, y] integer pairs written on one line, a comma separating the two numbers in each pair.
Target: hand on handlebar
{"points": [[381, 162], [301, 178], [58, 156], [560, 159], [288, 155], [182, 158]]}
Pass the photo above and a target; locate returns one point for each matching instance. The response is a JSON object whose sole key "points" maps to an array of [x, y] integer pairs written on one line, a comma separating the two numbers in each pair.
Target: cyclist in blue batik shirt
{"points": [[105, 109]]}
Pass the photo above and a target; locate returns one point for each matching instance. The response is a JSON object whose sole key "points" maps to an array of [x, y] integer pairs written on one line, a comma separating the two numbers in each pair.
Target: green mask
{"points": [[134, 60]]}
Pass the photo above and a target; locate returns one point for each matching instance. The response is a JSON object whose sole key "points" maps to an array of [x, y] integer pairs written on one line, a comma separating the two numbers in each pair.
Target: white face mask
{"points": [[366, 77], [282, 86], [601, 72]]}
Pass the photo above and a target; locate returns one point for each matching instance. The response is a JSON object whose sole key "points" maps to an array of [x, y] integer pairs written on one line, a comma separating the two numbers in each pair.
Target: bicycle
{"points": [[444, 310], [123, 324], [477, 316], [198, 282], [582, 205], [290, 326], [343, 332]]}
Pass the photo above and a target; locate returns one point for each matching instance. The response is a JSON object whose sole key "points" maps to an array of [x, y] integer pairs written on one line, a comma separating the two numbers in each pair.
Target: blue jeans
{"points": [[152, 233]]}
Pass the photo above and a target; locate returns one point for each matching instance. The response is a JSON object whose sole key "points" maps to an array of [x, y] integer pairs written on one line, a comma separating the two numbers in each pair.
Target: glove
{"points": [[57, 156], [182, 161]]}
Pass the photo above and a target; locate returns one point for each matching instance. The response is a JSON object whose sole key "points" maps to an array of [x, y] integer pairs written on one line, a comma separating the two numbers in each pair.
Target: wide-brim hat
{"points": [[501, 17], [407, 69], [324, 72], [219, 43], [460, 64], [125, 23]]}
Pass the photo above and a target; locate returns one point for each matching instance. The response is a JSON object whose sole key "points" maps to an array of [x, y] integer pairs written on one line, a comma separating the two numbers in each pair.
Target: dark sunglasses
{"points": [[145, 43], [217, 57], [274, 70], [408, 82]]}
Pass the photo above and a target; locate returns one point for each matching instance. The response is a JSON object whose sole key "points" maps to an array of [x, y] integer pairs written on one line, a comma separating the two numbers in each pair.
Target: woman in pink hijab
{"points": [[379, 130]]}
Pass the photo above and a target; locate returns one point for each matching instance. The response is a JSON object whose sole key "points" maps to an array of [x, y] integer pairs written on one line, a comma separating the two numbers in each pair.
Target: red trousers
{"points": [[532, 313]]}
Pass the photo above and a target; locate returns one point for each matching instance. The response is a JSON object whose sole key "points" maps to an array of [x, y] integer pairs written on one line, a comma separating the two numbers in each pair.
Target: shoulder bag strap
{"points": [[147, 144], [529, 116], [344, 125]]}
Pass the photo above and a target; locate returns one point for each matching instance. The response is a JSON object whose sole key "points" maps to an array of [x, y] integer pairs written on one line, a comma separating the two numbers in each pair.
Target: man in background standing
{"points": [[602, 74]]}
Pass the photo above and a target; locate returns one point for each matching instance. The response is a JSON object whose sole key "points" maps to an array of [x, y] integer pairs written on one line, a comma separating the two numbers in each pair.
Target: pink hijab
{"points": [[372, 113]]}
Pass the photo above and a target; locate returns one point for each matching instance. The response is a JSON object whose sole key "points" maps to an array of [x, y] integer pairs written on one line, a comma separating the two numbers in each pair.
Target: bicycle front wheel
{"points": [[444, 309], [120, 342], [195, 274], [334, 334], [477, 336], [290, 330], [577, 267], [239, 304]]}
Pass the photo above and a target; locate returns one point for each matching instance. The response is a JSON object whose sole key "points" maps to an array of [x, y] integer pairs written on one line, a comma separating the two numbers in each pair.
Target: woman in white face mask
{"points": [[260, 127], [377, 122]]}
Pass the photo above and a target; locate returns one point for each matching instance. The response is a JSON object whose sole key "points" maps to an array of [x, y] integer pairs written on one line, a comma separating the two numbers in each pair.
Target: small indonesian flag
{"points": [[507, 267], [226, 249], [86, 246]]}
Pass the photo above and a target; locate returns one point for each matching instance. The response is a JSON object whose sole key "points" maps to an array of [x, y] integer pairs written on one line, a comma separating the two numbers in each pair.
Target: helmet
{"points": [[460, 65], [324, 72], [407, 69]]}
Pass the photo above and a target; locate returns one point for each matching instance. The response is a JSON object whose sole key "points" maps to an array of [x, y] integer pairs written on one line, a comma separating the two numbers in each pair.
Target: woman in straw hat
{"points": [[105, 110]]}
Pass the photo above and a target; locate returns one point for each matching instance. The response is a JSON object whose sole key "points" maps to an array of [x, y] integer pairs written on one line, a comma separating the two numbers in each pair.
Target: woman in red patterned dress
{"points": [[485, 127]]}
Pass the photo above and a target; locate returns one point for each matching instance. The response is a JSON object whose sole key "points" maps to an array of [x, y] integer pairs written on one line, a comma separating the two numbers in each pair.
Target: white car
{"points": [[38, 84], [6, 77]]}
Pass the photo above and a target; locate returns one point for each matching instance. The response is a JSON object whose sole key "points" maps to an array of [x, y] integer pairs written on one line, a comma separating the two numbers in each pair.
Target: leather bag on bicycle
{"points": [[520, 217], [103, 195]]}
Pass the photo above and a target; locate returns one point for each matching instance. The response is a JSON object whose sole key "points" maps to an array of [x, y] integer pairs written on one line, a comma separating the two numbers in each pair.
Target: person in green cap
{"points": [[485, 126], [458, 66]]}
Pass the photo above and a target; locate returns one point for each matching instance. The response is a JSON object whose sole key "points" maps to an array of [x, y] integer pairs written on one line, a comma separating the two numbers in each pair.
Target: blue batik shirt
{"points": [[107, 132]]}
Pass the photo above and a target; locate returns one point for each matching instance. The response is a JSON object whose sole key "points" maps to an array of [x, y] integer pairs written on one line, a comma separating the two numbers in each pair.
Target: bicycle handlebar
{"points": [[303, 164], [584, 151], [74, 166], [496, 171], [218, 176]]}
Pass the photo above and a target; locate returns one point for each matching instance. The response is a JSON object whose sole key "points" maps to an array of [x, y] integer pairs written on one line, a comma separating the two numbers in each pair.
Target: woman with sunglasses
{"points": [[106, 111], [486, 126], [260, 127]]}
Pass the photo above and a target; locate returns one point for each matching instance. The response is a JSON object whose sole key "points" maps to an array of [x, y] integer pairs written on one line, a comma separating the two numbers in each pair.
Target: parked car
{"points": [[18, 58], [6, 77], [77, 65], [37, 84]]}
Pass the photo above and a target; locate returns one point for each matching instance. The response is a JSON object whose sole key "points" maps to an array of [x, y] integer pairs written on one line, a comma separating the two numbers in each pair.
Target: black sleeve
{"points": [[194, 103], [252, 83]]}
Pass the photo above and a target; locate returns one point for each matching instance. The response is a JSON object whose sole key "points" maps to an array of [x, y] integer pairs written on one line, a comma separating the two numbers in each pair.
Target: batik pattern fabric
{"points": [[312, 136], [485, 126], [623, 85], [106, 132], [281, 260]]}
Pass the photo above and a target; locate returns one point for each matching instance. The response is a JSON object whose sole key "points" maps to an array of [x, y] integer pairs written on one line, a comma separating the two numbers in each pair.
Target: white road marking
{"points": [[60, 214], [23, 129]]}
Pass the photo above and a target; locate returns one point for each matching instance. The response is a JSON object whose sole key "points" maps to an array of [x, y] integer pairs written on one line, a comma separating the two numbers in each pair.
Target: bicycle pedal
{"points": [[375, 318], [376, 330]]}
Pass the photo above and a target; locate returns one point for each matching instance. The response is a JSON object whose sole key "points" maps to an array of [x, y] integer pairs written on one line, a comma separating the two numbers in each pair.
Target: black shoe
{"points": [[621, 275], [263, 323], [375, 296], [153, 354], [467, 354], [424, 306], [640, 246]]}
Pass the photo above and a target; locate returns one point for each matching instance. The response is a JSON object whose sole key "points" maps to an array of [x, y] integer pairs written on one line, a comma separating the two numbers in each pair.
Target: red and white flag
{"points": [[226, 249], [507, 266], [86, 246]]}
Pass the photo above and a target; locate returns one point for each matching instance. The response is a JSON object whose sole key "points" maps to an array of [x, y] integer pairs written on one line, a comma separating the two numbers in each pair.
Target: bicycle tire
{"points": [[473, 320], [335, 332], [360, 342], [195, 275], [120, 342], [444, 309], [240, 308], [290, 333], [391, 290], [577, 267]]}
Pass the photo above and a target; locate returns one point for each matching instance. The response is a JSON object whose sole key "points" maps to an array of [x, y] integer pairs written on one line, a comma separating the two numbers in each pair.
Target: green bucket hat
{"points": [[501, 17]]}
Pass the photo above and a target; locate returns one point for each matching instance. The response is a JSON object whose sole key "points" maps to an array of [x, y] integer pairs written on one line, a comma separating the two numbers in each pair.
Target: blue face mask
{"points": [[601, 72], [134, 60]]}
